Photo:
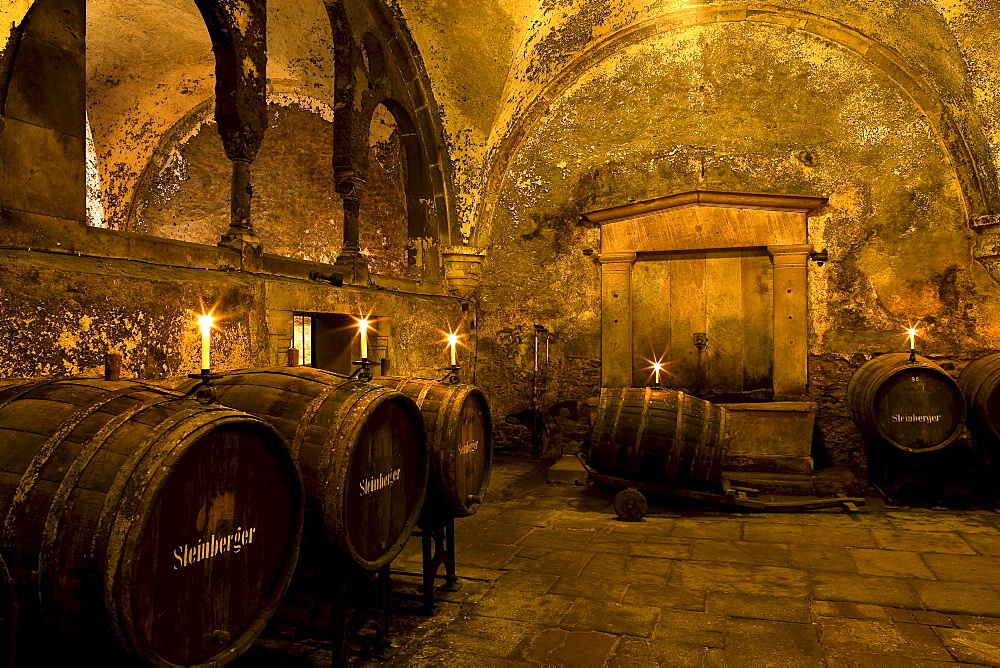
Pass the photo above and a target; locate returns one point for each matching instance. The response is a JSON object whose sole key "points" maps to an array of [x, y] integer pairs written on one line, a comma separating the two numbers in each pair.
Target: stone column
{"points": [[790, 324], [616, 319], [349, 186]]}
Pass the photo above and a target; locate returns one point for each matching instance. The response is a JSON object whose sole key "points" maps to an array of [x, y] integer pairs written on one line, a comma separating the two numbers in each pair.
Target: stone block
{"points": [[741, 552], [912, 641], [567, 470], [892, 592], [894, 563], [739, 578], [972, 646], [922, 541], [958, 597], [773, 608], [963, 568], [58, 105], [581, 587], [774, 436], [608, 617], [665, 597], [43, 170]]}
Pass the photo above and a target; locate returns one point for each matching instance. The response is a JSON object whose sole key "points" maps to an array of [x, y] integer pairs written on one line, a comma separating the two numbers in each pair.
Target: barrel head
{"points": [[215, 549], [919, 409], [385, 483]]}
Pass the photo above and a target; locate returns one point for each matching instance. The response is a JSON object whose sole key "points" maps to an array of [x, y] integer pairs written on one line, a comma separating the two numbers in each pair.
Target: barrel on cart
{"points": [[980, 381], [140, 525], [361, 447], [662, 437], [8, 618], [460, 439], [914, 406]]}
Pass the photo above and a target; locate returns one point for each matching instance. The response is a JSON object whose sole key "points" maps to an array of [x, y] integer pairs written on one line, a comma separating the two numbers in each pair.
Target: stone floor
{"points": [[550, 577]]}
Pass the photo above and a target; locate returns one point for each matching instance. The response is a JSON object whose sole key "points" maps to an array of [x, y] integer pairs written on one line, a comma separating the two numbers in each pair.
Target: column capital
{"points": [[616, 258], [792, 255]]}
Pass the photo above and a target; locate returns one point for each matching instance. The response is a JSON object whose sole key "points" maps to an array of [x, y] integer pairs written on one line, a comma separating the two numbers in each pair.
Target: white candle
{"points": [[912, 333], [656, 371], [363, 324], [452, 342], [205, 322]]}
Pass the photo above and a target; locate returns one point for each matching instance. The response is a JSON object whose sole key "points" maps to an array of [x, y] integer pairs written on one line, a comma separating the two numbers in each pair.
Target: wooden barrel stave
{"points": [[330, 421], [980, 381], [84, 495], [889, 395], [662, 437], [456, 416]]}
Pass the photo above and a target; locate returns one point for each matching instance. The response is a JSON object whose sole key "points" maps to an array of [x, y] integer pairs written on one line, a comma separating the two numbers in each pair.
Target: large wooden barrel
{"points": [[980, 381], [141, 526], [661, 437], [460, 438], [914, 406], [361, 447], [8, 618]]}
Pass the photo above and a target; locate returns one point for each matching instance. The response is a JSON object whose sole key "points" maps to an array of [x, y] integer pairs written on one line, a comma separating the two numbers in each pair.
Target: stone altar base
{"points": [[773, 436]]}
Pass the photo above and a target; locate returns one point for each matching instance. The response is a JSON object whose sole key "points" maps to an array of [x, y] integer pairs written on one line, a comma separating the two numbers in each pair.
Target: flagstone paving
{"points": [[551, 578]]}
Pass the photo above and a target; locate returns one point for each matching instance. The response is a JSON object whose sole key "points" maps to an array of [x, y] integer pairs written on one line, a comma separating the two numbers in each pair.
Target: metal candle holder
{"points": [[364, 371], [205, 392], [451, 375], [913, 355]]}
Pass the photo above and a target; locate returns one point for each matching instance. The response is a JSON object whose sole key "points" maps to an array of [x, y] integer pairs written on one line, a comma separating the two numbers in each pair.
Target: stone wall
{"points": [[687, 110]]}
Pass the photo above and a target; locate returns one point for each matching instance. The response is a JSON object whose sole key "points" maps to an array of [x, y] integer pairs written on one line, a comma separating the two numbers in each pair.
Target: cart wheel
{"points": [[630, 505]]}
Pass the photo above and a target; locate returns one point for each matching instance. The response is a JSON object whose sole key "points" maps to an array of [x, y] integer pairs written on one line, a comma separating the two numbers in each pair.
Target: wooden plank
{"points": [[723, 357], [650, 316], [758, 322], [687, 316]]}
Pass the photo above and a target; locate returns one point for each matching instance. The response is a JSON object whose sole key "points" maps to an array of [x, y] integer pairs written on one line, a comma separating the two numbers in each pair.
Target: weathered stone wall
{"points": [[296, 211], [63, 312], [753, 108]]}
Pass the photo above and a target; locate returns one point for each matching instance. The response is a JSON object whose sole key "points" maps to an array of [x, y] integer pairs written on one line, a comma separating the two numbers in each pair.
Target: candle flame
{"points": [[205, 322], [452, 338], [912, 331]]}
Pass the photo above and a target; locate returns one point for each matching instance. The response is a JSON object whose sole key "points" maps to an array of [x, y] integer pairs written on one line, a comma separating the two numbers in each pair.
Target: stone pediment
{"points": [[705, 219]]}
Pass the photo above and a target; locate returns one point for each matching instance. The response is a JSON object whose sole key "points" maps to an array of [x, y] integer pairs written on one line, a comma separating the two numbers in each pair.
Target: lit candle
{"points": [[363, 325], [656, 371], [912, 333], [205, 322], [452, 342]]}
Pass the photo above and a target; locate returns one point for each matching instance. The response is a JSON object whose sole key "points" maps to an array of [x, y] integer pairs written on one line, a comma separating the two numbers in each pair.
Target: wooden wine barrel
{"points": [[460, 439], [980, 382], [913, 406], [662, 437], [141, 525], [361, 447], [8, 618]]}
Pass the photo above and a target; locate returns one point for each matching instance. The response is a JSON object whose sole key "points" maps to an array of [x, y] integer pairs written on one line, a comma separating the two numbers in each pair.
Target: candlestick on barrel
{"points": [[204, 392], [912, 334], [363, 326], [452, 343], [205, 322]]}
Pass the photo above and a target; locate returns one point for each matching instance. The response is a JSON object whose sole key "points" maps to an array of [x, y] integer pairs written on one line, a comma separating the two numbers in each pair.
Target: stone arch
{"points": [[978, 190]]}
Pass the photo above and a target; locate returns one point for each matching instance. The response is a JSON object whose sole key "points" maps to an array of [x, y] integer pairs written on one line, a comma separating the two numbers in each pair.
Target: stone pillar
{"points": [[616, 319], [463, 267], [349, 186], [790, 318]]}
